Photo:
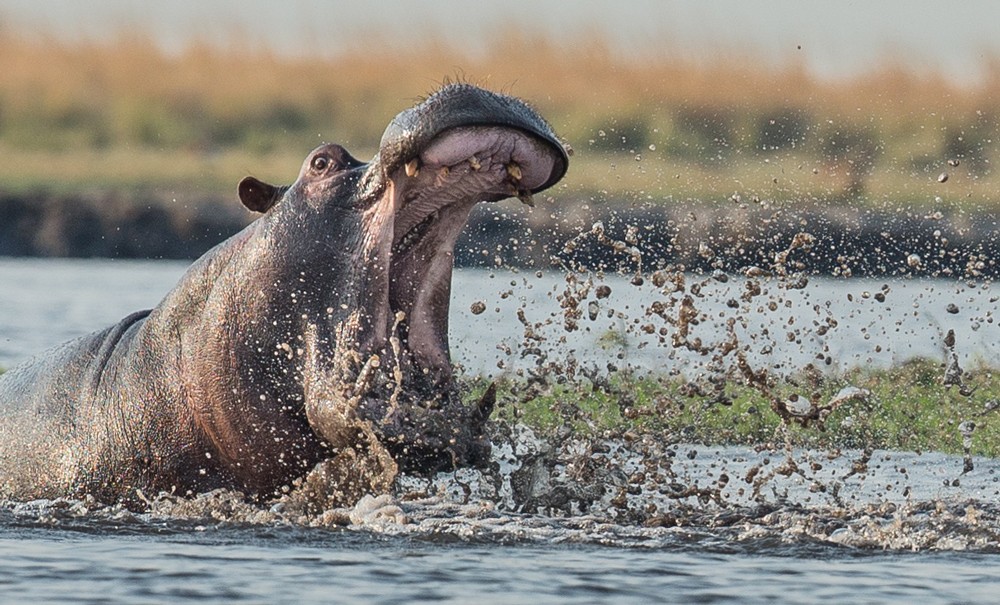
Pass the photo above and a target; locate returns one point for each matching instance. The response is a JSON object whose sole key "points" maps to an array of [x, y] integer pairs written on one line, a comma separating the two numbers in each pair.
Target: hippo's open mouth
{"points": [[435, 192], [460, 147]]}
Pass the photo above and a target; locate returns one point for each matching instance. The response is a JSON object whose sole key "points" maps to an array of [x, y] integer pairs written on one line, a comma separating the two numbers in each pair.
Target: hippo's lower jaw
{"points": [[425, 437], [423, 434]]}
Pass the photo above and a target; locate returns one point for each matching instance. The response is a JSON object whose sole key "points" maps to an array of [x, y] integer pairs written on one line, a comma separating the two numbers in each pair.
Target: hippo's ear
{"points": [[258, 195]]}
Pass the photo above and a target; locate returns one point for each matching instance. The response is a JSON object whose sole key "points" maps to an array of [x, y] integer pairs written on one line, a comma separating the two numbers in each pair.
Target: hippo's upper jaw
{"points": [[461, 146]]}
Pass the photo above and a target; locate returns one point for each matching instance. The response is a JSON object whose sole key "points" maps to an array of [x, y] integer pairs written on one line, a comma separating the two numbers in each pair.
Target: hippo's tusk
{"points": [[514, 171], [413, 167], [474, 164]]}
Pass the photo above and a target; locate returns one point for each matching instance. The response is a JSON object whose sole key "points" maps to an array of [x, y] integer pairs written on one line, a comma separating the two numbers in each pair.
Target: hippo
{"points": [[320, 328]]}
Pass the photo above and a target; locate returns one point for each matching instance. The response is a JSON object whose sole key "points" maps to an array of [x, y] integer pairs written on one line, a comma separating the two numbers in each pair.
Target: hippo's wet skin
{"points": [[320, 327]]}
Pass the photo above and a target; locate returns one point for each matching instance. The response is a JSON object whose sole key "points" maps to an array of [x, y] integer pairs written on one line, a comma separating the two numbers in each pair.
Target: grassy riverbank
{"points": [[91, 115], [904, 408]]}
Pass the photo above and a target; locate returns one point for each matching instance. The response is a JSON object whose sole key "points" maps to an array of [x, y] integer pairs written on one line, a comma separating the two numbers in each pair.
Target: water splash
{"points": [[647, 403]]}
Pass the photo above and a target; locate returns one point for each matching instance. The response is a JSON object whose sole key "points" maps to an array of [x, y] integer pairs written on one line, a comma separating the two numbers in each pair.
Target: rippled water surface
{"points": [[550, 522], [288, 565]]}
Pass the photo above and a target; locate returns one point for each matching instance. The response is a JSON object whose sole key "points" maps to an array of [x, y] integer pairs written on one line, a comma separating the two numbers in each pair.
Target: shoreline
{"points": [[732, 237]]}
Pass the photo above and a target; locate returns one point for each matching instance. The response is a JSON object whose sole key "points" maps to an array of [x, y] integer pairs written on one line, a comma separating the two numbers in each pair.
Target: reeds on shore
{"points": [[123, 113]]}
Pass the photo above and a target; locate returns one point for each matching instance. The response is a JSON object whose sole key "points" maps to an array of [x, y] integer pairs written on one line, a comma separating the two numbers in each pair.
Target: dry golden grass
{"points": [[124, 114]]}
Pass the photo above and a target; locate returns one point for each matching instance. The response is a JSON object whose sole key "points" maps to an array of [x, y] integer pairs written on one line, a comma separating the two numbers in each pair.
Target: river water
{"points": [[864, 527]]}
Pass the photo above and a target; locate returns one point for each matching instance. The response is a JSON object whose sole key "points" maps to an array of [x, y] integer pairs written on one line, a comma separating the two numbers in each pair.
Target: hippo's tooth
{"points": [[514, 171], [526, 199], [442, 176], [474, 164], [412, 167]]}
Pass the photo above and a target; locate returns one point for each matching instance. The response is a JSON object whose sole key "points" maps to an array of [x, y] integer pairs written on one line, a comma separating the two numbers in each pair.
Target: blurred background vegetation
{"points": [[124, 115]]}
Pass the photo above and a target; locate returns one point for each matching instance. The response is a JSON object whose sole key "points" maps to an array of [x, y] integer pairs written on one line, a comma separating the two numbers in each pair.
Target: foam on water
{"points": [[640, 493]]}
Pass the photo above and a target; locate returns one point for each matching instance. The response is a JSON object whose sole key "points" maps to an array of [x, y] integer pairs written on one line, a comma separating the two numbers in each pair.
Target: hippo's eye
{"points": [[320, 163]]}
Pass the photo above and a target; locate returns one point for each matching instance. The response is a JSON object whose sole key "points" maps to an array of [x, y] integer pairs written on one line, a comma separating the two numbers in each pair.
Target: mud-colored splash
{"points": [[625, 491], [647, 404]]}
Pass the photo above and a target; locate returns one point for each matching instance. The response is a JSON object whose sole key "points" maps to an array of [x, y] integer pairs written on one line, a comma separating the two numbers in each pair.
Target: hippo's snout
{"points": [[463, 106]]}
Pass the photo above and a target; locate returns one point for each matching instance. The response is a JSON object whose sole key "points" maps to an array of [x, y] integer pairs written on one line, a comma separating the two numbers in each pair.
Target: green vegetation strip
{"points": [[906, 408]]}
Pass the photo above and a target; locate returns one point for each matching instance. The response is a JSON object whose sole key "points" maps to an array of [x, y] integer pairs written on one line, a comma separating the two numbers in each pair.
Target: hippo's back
{"points": [[40, 412]]}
